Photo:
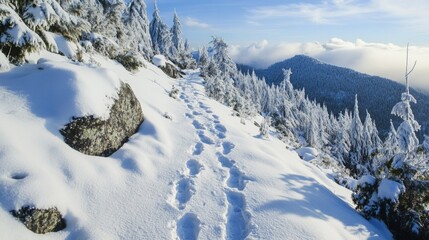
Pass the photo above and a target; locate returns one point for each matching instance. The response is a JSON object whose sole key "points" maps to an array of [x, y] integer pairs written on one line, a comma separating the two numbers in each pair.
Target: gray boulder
{"points": [[98, 137], [171, 70], [40, 221]]}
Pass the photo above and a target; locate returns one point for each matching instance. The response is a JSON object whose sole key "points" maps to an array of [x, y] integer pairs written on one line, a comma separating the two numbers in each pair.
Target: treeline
{"points": [[111, 28]]}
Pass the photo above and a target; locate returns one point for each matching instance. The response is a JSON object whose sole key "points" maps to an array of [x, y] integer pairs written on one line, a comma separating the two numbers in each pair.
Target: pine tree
{"points": [[176, 37], [356, 130], [203, 60], [16, 39], [48, 15], [160, 35], [265, 127], [138, 24], [226, 65]]}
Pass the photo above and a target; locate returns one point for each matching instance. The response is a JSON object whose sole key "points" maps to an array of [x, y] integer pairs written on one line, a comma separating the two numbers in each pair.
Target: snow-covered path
{"points": [[221, 179], [200, 175]]}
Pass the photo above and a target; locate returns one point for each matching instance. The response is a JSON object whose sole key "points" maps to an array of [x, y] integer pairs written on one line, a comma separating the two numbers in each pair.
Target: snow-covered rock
{"points": [[167, 66], [307, 153], [40, 221], [159, 60], [95, 136]]}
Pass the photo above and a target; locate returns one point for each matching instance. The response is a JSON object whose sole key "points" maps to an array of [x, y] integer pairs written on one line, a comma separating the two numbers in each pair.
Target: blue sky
{"points": [[244, 22]]}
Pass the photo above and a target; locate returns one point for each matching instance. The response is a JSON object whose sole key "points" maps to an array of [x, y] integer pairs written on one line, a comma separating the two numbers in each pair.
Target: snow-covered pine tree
{"points": [[342, 138], [286, 85], [138, 25], [48, 15], [16, 39], [176, 37], [265, 126], [356, 142], [203, 60], [225, 63], [160, 35]]}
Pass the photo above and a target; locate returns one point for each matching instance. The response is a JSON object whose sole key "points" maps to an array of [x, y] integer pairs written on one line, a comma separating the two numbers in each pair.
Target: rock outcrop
{"points": [[171, 70], [40, 221], [98, 137]]}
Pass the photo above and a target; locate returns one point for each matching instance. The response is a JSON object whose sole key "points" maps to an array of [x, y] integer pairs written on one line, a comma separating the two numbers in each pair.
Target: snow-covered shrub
{"points": [[130, 61], [16, 39], [174, 92], [103, 45]]}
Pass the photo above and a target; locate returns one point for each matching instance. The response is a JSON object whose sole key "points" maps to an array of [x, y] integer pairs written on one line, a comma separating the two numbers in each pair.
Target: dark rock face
{"points": [[40, 221], [94, 136], [171, 70]]}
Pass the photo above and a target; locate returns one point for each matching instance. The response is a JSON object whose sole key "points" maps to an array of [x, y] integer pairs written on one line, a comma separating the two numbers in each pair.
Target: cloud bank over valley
{"points": [[385, 60]]}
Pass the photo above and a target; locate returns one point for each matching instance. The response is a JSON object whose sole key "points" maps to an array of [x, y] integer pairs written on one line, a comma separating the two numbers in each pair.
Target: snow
{"points": [[307, 153], [389, 189], [56, 89], [67, 48], [159, 60], [202, 174], [4, 62], [362, 181]]}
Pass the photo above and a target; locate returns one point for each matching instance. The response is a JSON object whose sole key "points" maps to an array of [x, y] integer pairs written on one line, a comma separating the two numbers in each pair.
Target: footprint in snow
{"points": [[237, 179], [221, 135], [195, 113], [184, 191], [238, 224], [198, 125], [188, 227], [224, 161], [205, 139], [221, 128], [198, 149], [194, 167], [19, 175], [227, 147]]}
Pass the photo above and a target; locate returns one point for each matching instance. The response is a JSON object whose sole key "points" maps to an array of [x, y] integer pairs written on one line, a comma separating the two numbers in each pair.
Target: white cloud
{"points": [[413, 12], [192, 22], [385, 60]]}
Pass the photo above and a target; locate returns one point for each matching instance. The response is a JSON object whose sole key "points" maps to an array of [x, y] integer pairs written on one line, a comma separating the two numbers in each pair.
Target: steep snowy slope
{"points": [[201, 174]]}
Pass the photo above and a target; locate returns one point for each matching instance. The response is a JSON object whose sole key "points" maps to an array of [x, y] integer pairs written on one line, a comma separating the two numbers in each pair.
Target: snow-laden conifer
{"points": [[16, 39], [138, 24], [160, 34]]}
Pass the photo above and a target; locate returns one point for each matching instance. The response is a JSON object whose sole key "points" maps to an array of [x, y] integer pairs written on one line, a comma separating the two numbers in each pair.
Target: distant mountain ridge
{"points": [[336, 87]]}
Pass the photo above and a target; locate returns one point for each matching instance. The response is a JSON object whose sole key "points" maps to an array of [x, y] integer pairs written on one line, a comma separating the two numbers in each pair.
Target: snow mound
{"points": [[307, 153], [59, 90], [389, 189], [159, 60]]}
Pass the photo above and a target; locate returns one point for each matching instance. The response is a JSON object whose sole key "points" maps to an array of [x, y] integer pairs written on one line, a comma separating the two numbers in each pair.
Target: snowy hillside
{"points": [[201, 174]]}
